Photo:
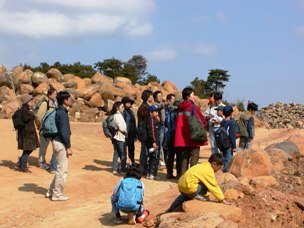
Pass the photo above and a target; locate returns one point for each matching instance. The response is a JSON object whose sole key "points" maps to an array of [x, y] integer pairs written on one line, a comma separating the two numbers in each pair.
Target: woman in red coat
{"points": [[188, 149]]}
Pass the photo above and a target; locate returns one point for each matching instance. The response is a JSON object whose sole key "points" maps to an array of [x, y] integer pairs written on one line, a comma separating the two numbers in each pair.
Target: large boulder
{"points": [[99, 78], [67, 77], [96, 101], [9, 108], [38, 77], [76, 83], [169, 87], [87, 81], [42, 88], [286, 146], [26, 89], [6, 94], [87, 93], [26, 77], [17, 70], [228, 212], [55, 84], [122, 81], [6, 80], [298, 141], [250, 164], [56, 74]]}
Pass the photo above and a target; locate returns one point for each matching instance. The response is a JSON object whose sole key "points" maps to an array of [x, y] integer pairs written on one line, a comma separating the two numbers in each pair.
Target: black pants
{"points": [[153, 163], [170, 162], [23, 159], [131, 148]]}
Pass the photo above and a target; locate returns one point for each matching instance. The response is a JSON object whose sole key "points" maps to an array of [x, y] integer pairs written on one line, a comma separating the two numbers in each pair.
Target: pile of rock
{"points": [[282, 115], [92, 97]]}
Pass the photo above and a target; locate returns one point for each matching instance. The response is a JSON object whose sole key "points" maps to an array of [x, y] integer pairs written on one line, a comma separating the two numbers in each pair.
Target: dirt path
{"points": [[89, 185]]}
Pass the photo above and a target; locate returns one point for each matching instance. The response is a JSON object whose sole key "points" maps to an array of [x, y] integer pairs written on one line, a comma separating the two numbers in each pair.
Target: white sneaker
{"points": [[59, 198], [162, 163]]}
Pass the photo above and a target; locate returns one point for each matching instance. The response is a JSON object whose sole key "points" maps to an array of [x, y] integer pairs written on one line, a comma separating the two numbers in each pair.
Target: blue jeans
{"points": [[160, 152], [53, 162], [119, 152], [23, 159], [201, 189], [212, 131], [143, 159], [228, 158]]}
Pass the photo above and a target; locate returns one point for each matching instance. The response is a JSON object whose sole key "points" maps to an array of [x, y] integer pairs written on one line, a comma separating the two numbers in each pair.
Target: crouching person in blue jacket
{"points": [[128, 195]]}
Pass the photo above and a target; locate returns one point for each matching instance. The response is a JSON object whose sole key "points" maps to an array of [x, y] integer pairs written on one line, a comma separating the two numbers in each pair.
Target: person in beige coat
{"points": [[119, 138]]}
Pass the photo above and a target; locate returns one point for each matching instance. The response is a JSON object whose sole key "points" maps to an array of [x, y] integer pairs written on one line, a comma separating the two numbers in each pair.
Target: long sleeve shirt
{"points": [[121, 126], [63, 126]]}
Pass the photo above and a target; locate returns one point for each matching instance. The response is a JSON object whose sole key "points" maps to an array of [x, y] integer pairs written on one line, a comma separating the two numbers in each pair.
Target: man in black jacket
{"points": [[62, 147]]}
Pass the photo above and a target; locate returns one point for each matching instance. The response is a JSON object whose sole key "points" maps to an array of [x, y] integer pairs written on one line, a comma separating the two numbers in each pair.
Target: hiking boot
{"points": [[25, 170], [44, 166], [131, 217], [118, 220], [171, 176], [60, 198]]}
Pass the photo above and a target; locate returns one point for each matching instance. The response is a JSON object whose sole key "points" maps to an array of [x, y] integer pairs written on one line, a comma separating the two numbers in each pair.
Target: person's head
{"points": [[52, 93], [26, 99], [217, 97], [216, 161], [127, 102], [158, 96], [170, 98], [252, 107], [220, 110], [153, 109], [147, 96], [63, 98], [117, 106], [134, 171], [187, 93], [227, 111]]}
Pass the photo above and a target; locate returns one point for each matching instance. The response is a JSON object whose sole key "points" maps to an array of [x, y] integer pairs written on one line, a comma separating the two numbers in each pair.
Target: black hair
{"points": [[217, 158], [187, 92], [134, 171], [115, 107], [217, 96], [156, 93], [51, 91], [252, 106], [61, 96], [146, 94], [169, 96]]}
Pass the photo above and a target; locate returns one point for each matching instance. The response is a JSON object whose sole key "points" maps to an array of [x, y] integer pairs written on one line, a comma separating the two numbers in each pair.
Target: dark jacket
{"points": [[129, 117], [143, 112], [170, 123], [27, 136], [63, 126], [232, 135], [153, 126]]}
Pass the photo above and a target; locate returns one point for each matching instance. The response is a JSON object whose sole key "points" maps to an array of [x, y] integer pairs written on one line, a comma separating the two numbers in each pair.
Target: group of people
{"points": [[28, 139], [163, 131]]}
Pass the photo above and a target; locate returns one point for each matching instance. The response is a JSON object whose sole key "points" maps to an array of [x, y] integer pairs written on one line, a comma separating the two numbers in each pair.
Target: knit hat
{"points": [[26, 98]]}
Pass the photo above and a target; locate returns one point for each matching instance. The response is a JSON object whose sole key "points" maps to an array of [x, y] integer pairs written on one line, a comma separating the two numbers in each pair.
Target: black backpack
{"points": [[222, 138], [17, 120]]}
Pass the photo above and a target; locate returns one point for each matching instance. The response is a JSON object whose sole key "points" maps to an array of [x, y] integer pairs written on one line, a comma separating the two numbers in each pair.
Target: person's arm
{"points": [[121, 123], [63, 126], [250, 127], [211, 183], [41, 113]]}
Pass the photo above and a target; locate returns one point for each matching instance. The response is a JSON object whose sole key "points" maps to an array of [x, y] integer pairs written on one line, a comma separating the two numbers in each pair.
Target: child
{"points": [[246, 126], [128, 195], [198, 181], [152, 141], [229, 125]]}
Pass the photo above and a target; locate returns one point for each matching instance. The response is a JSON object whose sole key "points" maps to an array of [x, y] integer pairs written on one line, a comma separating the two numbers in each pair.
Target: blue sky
{"points": [[260, 43]]}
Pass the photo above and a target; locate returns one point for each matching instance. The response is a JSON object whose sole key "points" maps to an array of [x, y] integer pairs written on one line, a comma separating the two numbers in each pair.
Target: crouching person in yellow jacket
{"points": [[198, 181]]}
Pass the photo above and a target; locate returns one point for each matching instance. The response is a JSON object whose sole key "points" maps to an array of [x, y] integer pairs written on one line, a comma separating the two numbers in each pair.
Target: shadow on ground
{"points": [[29, 187]]}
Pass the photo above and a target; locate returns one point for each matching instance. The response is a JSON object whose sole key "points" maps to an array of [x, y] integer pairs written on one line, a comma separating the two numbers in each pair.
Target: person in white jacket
{"points": [[119, 138]]}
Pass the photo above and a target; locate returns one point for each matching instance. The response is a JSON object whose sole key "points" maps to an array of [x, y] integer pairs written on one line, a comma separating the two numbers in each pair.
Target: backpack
{"points": [[108, 127], [142, 131], [17, 121], [222, 138], [130, 194], [39, 104], [196, 127], [48, 126]]}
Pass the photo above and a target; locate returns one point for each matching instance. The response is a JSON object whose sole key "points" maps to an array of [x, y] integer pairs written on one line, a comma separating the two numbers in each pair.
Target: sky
{"points": [[260, 43]]}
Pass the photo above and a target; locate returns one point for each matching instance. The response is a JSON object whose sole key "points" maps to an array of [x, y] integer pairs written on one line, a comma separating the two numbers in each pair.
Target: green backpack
{"points": [[196, 127]]}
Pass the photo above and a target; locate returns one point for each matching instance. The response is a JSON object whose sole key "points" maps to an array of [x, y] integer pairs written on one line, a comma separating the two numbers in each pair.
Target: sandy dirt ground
{"points": [[90, 181]]}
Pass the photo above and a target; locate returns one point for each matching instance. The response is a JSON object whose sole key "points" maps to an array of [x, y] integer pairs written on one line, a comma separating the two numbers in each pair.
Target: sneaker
{"points": [[59, 198], [25, 170], [118, 220], [202, 198], [151, 177], [48, 194], [52, 171], [131, 218], [44, 166], [171, 176], [162, 163], [114, 172]]}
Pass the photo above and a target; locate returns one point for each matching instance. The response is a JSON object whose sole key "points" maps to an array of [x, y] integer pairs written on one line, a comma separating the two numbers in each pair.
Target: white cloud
{"points": [[162, 55], [300, 31], [57, 18], [205, 49]]}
